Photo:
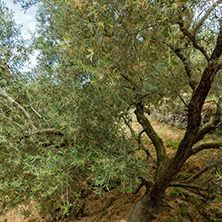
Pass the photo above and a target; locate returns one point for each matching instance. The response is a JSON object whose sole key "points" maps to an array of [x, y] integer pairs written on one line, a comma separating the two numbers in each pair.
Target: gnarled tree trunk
{"points": [[148, 208]]}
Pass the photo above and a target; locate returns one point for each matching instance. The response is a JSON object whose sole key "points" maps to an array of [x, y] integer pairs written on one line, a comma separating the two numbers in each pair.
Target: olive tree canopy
{"points": [[99, 61]]}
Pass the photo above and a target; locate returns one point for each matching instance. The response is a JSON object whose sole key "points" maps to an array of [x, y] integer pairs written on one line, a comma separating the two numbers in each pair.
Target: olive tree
{"points": [[59, 126], [145, 52]]}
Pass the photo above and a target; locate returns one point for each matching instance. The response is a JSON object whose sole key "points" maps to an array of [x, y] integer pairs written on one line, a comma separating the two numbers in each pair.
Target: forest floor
{"points": [[183, 204]]}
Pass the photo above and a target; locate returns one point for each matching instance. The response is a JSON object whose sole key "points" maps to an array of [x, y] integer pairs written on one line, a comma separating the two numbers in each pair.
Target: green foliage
{"points": [[184, 176], [64, 123], [173, 144], [13, 53], [177, 192]]}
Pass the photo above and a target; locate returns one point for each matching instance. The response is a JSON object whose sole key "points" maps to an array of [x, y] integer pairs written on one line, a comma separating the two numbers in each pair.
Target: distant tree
{"points": [[105, 58]]}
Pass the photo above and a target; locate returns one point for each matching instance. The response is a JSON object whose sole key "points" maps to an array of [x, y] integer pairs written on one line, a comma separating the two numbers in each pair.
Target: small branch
{"points": [[199, 174], [128, 87], [219, 124], [36, 113], [33, 110], [12, 71], [193, 82], [14, 103], [49, 131], [206, 146], [195, 29], [192, 188], [12, 121], [185, 186], [206, 128], [17, 105], [7, 106], [181, 98], [130, 80], [129, 126], [151, 133], [193, 40], [143, 147]]}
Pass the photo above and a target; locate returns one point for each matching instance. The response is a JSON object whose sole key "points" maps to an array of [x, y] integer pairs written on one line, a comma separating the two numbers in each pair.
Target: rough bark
{"points": [[148, 208], [156, 140], [145, 210]]}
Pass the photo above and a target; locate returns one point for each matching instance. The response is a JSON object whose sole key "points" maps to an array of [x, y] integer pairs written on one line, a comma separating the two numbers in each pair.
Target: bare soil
{"points": [[183, 204]]}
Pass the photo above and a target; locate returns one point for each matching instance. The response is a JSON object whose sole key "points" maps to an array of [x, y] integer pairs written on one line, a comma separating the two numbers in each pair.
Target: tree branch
{"points": [[10, 69], [140, 144], [143, 147], [196, 28], [10, 120], [48, 131], [205, 146], [133, 134], [217, 50], [151, 133], [33, 110], [191, 36], [187, 65], [195, 106], [17, 105], [130, 80], [200, 173], [185, 186], [36, 113], [195, 189], [206, 128], [181, 98]]}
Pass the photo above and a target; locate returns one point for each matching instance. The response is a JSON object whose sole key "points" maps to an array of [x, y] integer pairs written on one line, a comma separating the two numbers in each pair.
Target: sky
{"points": [[26, 19], [28, 22]]}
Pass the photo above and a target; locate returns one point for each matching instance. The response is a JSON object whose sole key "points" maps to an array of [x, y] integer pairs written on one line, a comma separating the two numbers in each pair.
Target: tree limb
{"points": [[193, 188], [200, 173], [151, 133], [130, 80], [48, 131], [137, 139], [181, 98], [206, 128], [20, 107], [33, 110], [143, 147], [187, 65], [133, 134], [195, 106], [198, 25], [217, 50], [10, 69], [10, 120], [191, 36], [185, 186], [205, 146]]}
